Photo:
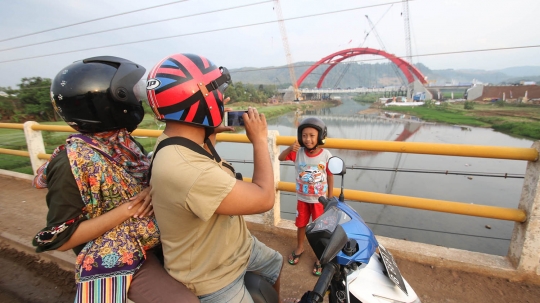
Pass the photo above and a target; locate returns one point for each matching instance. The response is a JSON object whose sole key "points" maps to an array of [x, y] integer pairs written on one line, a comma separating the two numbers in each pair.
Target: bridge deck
{"points": [[23, 214]]}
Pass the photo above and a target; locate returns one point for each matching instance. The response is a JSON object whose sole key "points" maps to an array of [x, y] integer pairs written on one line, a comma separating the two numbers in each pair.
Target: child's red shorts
{"points": [[305, 210]]}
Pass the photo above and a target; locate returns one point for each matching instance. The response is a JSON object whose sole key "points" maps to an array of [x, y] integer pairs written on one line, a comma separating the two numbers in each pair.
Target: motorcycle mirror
{"points": [[335, 244], [336, 166]]}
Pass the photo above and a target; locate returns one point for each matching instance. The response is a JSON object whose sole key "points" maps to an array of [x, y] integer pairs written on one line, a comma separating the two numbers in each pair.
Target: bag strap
{"points": [[186, 143]]}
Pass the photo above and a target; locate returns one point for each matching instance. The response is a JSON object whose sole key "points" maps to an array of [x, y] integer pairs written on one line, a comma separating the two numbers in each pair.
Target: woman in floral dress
{"points": [[98, 195]]}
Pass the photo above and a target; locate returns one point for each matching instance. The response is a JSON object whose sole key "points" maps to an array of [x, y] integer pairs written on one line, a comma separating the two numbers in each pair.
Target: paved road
{"points": [[26, 278]]}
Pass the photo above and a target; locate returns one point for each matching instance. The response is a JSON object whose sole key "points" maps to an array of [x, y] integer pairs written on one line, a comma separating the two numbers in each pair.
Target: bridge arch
{"points": [[332, 60]]}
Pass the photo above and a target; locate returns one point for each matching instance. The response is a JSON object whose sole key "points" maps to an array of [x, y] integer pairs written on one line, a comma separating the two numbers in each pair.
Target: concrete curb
{"points": [[17, 175], [444, 257], [64, 260]]}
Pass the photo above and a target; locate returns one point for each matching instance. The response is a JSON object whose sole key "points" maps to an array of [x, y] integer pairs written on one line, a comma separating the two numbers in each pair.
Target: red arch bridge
{"points": [[409, 71], [334, 59]]}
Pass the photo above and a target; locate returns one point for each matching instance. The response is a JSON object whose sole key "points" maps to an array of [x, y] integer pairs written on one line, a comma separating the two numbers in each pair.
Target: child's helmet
{"points": [[100, 94], [188, 88], [317, 124]]}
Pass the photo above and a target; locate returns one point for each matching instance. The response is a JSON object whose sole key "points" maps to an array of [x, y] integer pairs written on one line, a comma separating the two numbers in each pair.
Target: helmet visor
{"points": [[226, 78], [140, 90]]}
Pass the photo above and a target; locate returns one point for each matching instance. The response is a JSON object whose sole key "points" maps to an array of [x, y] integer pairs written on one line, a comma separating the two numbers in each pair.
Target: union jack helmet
{"points": [[188, 88]]}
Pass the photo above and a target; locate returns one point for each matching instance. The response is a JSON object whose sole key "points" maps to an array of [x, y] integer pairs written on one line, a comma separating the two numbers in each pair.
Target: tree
{"points": [[468, 105], [240, 92], [34, 95], [9, 104]]}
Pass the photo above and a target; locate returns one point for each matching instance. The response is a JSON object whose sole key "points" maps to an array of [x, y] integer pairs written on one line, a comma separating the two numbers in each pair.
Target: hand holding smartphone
{"points": [[234, 118]]}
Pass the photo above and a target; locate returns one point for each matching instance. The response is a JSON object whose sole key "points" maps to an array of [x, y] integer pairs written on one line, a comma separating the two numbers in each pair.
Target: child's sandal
{"points": [[294, 258], [317, 269]]}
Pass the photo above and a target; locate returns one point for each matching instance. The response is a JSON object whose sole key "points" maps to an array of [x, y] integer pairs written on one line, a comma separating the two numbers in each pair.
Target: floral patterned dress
{"points": [[108, 168]]}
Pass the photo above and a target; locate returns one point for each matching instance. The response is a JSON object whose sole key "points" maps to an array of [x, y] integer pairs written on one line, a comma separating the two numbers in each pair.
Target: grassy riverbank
{"points": [[14, 139], [515, 120]]}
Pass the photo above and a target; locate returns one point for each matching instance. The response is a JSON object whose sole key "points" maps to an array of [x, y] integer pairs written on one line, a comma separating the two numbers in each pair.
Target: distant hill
{"points": [[380, 74], [342, 75], [521, 71]]}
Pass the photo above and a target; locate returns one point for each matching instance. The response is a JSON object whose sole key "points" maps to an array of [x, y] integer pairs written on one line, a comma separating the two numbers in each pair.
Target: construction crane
{"points": [[287, 50], [362, 43], [408, 56], [394, 67], [390, 185], [407, 31]]}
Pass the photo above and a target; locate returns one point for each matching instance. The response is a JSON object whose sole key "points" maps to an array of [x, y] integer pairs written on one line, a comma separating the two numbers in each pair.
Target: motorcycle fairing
{"points": [[359, 231], [371, 282]]}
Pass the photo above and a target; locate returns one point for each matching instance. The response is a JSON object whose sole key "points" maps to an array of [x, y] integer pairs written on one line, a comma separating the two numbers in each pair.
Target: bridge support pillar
{"points": [[417, 87], [524, 250], [273, 216], [34, 142]]}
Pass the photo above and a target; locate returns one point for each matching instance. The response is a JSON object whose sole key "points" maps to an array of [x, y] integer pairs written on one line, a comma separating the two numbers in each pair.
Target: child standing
{"points": [[312, 179]]}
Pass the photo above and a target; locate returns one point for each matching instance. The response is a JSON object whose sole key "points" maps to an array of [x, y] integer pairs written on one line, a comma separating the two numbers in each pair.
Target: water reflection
{"points": [[416, 225]]}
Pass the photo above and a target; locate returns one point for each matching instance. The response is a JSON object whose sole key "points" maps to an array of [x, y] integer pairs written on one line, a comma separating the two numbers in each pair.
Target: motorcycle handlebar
{"points": [[323, 201], [324, 282]]}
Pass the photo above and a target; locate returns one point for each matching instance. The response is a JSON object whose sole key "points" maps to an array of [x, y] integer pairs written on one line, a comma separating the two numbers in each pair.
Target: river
{"points": [[376, 173]]}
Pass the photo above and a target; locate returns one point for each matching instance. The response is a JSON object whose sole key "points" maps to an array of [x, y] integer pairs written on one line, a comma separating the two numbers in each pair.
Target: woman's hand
{"points": [[140, 205]]}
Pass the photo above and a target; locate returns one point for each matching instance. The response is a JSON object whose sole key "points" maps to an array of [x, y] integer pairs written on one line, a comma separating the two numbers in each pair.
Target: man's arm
{"points": [[258, 196]]}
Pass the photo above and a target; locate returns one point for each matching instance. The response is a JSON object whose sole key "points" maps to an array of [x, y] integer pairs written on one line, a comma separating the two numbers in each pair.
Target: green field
{"points": [[516, 120]]}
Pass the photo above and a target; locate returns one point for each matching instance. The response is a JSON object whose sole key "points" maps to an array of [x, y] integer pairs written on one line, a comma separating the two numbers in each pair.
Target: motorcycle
{"points": [[353, 270]]}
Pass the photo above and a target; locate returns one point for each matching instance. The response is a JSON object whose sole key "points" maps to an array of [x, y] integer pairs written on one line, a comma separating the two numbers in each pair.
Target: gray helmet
{"points": [[317, 124]]}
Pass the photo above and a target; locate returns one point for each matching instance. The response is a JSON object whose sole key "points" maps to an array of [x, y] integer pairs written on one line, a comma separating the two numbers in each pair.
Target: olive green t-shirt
{"points": [[202, 249], [64, 202]]}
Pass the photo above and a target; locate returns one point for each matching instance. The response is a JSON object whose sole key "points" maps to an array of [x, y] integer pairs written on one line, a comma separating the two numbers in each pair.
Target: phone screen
{"points": [[234, 118]]}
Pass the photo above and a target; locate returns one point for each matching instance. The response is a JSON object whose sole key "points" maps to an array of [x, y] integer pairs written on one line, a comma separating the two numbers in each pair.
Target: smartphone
{"points": [[234, 118]]}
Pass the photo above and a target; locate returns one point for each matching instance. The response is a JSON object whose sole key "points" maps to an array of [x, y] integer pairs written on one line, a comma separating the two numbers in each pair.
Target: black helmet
{"points": [[100, 94], [317, 124]]}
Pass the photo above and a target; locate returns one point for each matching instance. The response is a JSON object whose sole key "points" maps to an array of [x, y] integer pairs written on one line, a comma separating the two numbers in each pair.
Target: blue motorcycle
{"points": [[353, 270]]}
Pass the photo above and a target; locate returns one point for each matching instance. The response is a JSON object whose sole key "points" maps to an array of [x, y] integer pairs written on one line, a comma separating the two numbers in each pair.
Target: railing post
{"points": [[273, 216], [525, 244], [34, 143]]}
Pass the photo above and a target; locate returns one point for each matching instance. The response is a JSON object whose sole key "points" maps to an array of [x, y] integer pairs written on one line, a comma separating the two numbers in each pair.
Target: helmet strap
{"points": [[213, 85], [212, 149], [310, 150]]}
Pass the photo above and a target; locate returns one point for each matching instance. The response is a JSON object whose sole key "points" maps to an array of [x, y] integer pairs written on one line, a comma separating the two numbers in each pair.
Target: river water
{"points": [[377, 174]]}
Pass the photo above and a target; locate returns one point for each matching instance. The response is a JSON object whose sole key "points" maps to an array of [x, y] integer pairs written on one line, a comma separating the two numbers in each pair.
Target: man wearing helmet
{"points": [[312, 179], [197, 200], [97, 187]]}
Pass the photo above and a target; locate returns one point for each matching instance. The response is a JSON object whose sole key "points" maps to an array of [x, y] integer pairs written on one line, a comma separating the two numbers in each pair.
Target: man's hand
{"points": [[255, 123], [222, 128]]}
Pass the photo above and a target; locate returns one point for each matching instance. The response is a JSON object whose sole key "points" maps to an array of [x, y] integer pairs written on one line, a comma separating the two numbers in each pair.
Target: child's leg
{"points": [[316, 210], [300, 237], [302, 218]]}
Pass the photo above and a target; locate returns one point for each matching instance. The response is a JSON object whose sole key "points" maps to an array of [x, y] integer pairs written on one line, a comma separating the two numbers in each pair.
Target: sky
{"points": [[246, 33]]}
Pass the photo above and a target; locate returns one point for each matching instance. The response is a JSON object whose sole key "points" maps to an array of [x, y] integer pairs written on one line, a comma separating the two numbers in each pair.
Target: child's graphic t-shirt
{"points": [[311, 178]]}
